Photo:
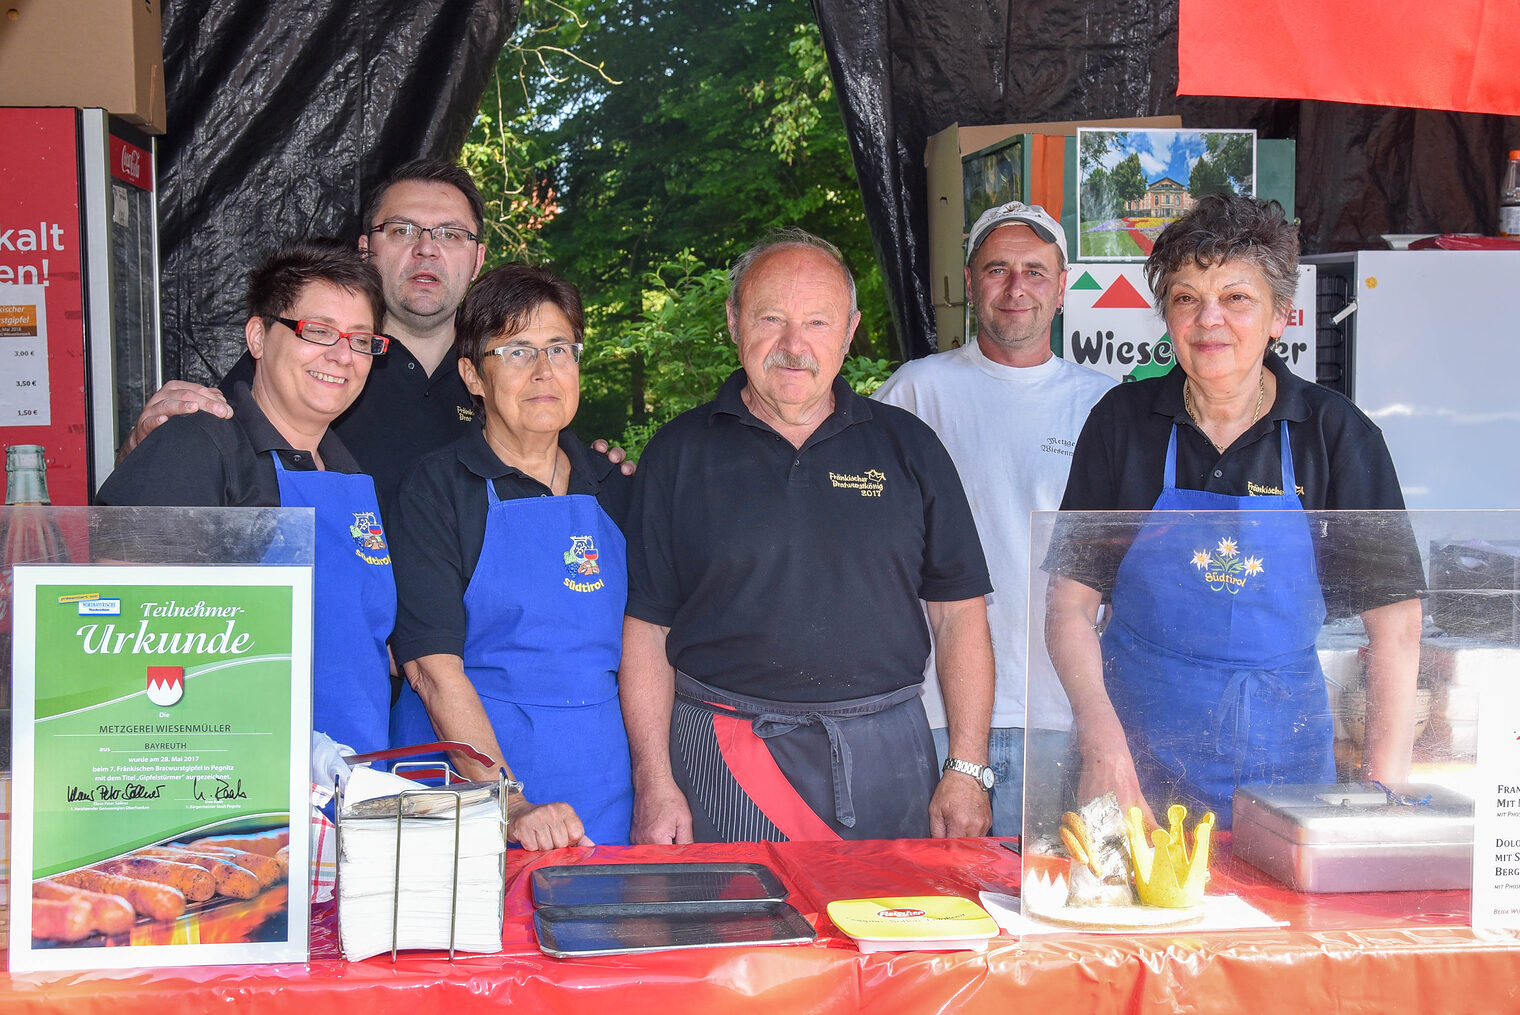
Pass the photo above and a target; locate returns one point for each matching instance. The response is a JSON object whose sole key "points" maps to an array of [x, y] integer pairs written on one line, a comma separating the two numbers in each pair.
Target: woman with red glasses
{"points": [[312, 311]]}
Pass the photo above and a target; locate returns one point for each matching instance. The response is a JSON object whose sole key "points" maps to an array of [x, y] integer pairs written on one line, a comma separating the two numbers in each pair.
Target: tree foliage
{"points": [[1128, 179], [1098, 196], [1207, 178], [637, 146], [1233, 154]]}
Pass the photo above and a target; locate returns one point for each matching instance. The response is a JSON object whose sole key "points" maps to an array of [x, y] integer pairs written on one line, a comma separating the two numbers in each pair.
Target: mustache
{"points": [[784, 359]]}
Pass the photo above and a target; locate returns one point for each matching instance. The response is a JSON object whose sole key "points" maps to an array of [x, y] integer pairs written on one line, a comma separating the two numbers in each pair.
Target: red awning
{"points": [[1458, 54]]}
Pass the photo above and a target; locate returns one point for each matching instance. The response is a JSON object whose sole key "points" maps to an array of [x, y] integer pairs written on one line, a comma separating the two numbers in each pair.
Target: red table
{"points": [[1350, 953]]}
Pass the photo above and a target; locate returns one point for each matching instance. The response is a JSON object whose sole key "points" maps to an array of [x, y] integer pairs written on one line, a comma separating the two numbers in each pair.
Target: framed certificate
{"points": [[160, 808]]}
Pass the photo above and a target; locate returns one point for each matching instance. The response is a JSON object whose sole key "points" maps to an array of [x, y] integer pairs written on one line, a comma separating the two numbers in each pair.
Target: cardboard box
{"points": [[85, 53]]}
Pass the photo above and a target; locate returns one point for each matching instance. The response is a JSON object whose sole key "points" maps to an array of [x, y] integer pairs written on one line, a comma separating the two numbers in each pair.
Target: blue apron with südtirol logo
{"points": [[543, 638], [354, 605], [1210, 658]]}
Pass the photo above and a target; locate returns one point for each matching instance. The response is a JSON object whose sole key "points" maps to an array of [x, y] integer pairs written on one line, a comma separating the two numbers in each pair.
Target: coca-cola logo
{"points": [[899, 914], [131, 161]]}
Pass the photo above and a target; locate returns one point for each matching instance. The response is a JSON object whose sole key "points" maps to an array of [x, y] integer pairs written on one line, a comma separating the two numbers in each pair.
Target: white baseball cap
{"points": [[1031, 215]]}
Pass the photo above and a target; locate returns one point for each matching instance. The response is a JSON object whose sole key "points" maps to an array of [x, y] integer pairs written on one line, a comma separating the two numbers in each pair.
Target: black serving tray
{"points": [[574, 931], [618, 884]]}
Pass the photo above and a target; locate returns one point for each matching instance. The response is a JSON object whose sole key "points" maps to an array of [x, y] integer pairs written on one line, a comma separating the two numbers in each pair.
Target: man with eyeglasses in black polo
{"points": [[423, 234]]}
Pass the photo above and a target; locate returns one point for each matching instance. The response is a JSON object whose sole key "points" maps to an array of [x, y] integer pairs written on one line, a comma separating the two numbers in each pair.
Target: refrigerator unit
{"points": [[1425, 343], [79, 323]]}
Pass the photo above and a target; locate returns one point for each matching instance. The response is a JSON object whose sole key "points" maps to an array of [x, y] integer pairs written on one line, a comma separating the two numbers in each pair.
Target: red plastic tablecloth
{"points": [[1356, 953]]}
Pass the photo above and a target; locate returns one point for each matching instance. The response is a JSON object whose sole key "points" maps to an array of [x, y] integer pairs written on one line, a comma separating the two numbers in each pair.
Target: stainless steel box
{"points": [[1349, 837]]}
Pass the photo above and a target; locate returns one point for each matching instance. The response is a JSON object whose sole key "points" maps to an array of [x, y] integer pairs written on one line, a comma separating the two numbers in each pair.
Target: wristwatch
{"points": [[981, 773]]}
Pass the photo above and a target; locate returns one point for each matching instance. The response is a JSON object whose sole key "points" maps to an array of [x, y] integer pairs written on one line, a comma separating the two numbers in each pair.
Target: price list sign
{"points": [[1496, 810], [23, 351]]}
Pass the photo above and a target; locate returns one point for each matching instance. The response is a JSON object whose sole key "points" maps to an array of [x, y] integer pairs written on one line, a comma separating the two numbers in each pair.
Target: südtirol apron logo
{"points": [[1224, 567], [166, 685], [366, 530], [580, 562], [580, 559]]}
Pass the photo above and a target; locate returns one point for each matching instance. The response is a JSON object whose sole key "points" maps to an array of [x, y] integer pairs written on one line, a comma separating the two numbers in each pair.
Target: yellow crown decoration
{"points": [[1166, 876]]}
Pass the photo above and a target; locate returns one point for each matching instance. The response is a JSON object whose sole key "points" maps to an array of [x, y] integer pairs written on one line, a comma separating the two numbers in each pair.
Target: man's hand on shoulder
{"points": [[617, 456], [175, 398], [661, 816], [959, 808]]}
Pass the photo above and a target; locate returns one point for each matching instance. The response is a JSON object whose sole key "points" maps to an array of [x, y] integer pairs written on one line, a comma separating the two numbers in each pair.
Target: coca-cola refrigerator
{"points": [[79, 340], [79, 322]]}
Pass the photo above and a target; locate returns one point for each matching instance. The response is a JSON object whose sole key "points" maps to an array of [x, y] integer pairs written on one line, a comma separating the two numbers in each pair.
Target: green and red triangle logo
{"points": [[1122, 296]]}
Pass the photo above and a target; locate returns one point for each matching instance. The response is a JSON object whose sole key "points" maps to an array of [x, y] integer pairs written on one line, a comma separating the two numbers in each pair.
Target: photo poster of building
{"points": [[1131, 184]]}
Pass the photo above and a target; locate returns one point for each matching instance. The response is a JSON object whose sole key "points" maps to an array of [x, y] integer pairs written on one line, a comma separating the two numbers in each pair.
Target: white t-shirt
{"points": [[1011, 431]]}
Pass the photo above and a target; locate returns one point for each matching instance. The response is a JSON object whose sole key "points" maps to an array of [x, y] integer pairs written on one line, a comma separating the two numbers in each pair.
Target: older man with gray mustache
{"points": [[781, 540]]}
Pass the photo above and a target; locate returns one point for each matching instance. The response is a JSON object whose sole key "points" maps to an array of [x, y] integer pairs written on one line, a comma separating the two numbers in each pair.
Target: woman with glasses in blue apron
{"points": [[1207, 676], [313, 309], [512, 573]]}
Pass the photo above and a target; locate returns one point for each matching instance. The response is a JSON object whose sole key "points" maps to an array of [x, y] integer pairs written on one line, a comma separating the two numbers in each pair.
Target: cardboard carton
{"points": [[85, 53]]}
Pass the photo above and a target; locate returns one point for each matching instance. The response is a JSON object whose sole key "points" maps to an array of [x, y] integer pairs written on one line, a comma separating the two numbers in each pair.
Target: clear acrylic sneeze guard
{"points": [[1312, 680]]}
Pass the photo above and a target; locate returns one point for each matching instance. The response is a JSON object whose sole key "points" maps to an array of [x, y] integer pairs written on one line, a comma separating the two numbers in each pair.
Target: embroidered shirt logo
{"points": [[465, 415], [1259, 490], [580, 562], [369, 536], [870, 483], [1224, 567]]}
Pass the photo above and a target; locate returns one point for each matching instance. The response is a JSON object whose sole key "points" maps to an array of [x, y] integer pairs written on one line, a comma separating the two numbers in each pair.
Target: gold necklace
{"points": [[1187, 403]]}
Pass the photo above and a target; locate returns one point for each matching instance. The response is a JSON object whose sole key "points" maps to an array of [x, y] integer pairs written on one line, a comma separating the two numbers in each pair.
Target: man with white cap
{"points": [[1009, 412]]}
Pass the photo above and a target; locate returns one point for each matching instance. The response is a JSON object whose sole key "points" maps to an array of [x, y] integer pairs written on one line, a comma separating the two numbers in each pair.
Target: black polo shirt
{"points": [[402, 414], [437, 526], [795, 575], [201, 460], [1339, 457]]}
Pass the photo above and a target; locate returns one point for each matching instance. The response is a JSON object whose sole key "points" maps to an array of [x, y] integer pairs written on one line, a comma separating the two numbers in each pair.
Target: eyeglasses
{"points": [[520, 356], [403, 234], [325, 334]]}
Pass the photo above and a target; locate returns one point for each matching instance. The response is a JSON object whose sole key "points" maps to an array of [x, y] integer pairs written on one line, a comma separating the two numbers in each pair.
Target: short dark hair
{"points": [[503, 301], [1228, 227], [792, 236], [429, 171], [277, 281]]}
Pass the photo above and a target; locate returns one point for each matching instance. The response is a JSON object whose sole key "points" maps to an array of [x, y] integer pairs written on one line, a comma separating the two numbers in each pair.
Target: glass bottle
{"points": [[1509, 198], [28, 535]]}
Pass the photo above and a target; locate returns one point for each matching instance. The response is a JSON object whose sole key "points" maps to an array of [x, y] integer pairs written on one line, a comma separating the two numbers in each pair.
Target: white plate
{"points": [[1045, 899]]}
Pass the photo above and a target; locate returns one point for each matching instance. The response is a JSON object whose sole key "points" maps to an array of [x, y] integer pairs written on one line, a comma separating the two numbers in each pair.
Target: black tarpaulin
{"points": [[905, 69], [281, 116]]}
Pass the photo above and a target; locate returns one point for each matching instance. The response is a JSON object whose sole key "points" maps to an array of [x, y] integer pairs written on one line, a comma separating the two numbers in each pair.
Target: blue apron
{"points": [[1210, 658], [543, 638], [354, 599]]}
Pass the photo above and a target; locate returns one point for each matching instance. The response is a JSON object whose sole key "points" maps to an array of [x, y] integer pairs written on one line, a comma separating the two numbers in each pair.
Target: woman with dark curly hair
{"points": [[1198, 686]]}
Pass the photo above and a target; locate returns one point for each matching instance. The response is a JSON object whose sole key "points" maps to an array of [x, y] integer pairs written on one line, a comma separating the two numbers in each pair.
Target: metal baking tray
{"points": [[1350, 837], [615, 884], [573, 931]]}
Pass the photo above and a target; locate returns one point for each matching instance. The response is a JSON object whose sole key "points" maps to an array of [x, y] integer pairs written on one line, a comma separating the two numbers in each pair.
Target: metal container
{"points": [[1355, 837]]}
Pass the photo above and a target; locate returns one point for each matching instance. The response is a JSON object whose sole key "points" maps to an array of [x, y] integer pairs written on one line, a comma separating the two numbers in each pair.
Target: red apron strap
{"points": [[755, 770]]}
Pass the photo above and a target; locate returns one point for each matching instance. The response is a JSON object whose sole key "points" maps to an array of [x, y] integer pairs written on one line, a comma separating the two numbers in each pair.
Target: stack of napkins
{"points": [[368, 878]]}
